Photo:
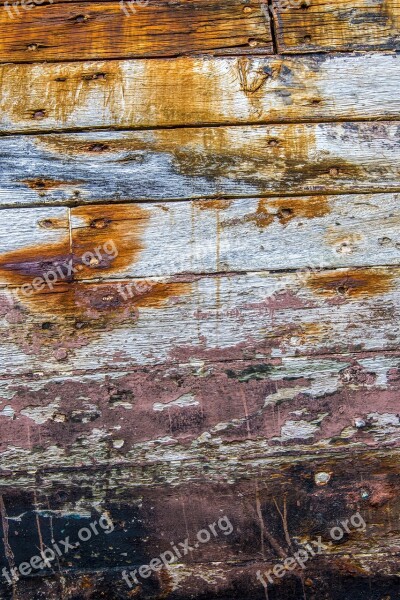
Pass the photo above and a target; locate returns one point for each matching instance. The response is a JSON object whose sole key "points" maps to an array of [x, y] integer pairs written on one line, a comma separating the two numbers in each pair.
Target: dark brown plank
{"points": [[88, 30], [315, 25]]}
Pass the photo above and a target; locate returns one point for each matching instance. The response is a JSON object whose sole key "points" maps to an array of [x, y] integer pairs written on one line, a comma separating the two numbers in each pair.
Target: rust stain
{"points": [[190, 95], [20, 267], [42, 183], [160, 293], [68, 308], [307, 208], [213, 153], [217, 204], [285, 210], [390, 11], [353, 283], [108, 302], [124, 225], [262, 217], [266, 157], [53, 223]]}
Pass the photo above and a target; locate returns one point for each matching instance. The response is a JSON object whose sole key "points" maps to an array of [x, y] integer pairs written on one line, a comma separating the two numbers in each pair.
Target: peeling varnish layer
{"points": [[234, 316], [286, 407]]}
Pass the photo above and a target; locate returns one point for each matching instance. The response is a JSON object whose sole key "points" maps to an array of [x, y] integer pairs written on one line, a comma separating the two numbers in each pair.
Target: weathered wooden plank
{"points": [[269, 407], [314, 25], [123, 240], [85, 30], [200, 162], [273, 507], [230, 235], [86, 326], [198, 91], [34, 227]]}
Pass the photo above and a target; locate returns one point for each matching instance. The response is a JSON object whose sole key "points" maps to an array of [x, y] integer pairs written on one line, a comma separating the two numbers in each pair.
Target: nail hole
{"points": [[341, 290], [60, 79], [252, 42], [91, 76], [98, 147], [334, 172], [364, 494], [307, 39], [46, 223], [32, 47], [81, 18], [100, 223], [47, 325], [285, 212], [316, 101], [39, 114], [385, 241], [273, 142]]}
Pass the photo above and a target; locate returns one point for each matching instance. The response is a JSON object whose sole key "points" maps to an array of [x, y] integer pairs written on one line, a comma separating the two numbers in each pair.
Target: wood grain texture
{"points": [[315, 25], [199, 162], [88, 326], [316, 232], [149, 513], [219, 331], [198, 91], [90, 30], [267, 407]]}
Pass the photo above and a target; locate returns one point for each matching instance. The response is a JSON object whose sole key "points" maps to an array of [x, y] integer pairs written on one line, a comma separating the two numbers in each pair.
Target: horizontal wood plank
{"points": [[273, 507], [201, 236], [199, 162], [229, 235], [266, 406], [86, 326], [198, 91], [315, 25], [89, 30]]}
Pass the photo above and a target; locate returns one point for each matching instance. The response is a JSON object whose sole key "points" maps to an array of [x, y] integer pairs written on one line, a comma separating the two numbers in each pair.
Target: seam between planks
{"points": [[207, 55], [269, 460], [107, 202], [75, 374], [210, 124]]}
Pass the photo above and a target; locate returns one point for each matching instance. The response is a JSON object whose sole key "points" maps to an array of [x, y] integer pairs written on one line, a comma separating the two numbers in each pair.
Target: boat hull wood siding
{"points": [[200, 299]]}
